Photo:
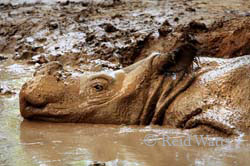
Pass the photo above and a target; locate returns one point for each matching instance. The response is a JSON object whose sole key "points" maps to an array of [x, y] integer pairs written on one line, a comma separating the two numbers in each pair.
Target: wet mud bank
{"points": [[111, 35]]}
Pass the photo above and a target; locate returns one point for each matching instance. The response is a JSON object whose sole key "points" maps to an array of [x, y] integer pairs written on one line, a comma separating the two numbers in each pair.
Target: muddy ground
{"points": [[109, 35], [96, 35]]}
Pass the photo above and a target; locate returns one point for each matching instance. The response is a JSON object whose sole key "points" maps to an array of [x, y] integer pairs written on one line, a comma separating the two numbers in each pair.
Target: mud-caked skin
{"points": [[160, 89]]}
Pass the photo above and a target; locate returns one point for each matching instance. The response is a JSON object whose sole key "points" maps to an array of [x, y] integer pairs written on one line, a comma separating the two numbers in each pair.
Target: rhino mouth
{"points": [[198, 120], [30, 105], [50, 118], [27, 108], [40, 111]]}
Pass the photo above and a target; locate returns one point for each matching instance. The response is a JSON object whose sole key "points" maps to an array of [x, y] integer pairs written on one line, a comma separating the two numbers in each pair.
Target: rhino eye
{"points": [[98, 87]]}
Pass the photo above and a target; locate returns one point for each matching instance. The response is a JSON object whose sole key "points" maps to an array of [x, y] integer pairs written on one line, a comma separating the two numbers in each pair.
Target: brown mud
{"points": [[118, 34], [94, 36]]}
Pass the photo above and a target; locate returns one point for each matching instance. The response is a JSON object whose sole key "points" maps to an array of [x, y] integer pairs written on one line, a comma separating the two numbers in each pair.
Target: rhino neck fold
{"points": [[171, 90], [153, 96]]}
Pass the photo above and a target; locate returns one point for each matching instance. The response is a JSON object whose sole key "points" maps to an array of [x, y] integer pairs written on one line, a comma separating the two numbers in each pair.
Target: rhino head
{"points": [[159, 89], [124, 96]]}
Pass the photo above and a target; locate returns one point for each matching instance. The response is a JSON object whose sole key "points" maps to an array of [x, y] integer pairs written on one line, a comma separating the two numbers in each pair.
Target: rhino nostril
{"points": [[28, 108]]}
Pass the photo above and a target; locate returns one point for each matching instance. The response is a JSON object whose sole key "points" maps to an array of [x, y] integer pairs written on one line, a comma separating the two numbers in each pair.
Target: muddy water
{"points": [[47, 144], [12, 76]]}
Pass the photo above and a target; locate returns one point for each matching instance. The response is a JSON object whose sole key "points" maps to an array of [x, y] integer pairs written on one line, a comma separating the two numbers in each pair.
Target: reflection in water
{"points": [[57, 144]]}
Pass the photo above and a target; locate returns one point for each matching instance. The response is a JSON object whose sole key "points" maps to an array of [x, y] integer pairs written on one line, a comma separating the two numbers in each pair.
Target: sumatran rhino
{"points": [[163, 89]]}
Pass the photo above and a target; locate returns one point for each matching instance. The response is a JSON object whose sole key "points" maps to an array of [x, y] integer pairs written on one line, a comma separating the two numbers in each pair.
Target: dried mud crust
{"points": [[225, 38], [230, 38], [95, 37], [75, 33]]}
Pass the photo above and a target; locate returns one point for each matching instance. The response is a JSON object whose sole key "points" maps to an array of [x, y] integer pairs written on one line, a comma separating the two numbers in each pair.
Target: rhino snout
{"points": [[36, 94]]}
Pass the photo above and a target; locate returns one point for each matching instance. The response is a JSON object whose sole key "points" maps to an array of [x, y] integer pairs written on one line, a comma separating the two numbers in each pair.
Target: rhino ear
{"points": [[181, 58]]}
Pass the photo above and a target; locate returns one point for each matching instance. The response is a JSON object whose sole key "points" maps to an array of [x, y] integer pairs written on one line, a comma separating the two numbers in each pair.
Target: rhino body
{"points": [[160, 89]]}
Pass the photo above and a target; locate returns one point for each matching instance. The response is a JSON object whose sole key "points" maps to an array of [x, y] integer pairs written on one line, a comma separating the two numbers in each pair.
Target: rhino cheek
{"points": [[98, 114]]}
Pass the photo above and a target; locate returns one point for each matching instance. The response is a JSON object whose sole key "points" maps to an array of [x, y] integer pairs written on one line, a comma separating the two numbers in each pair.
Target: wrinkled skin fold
{"points": [[161, 89]]}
